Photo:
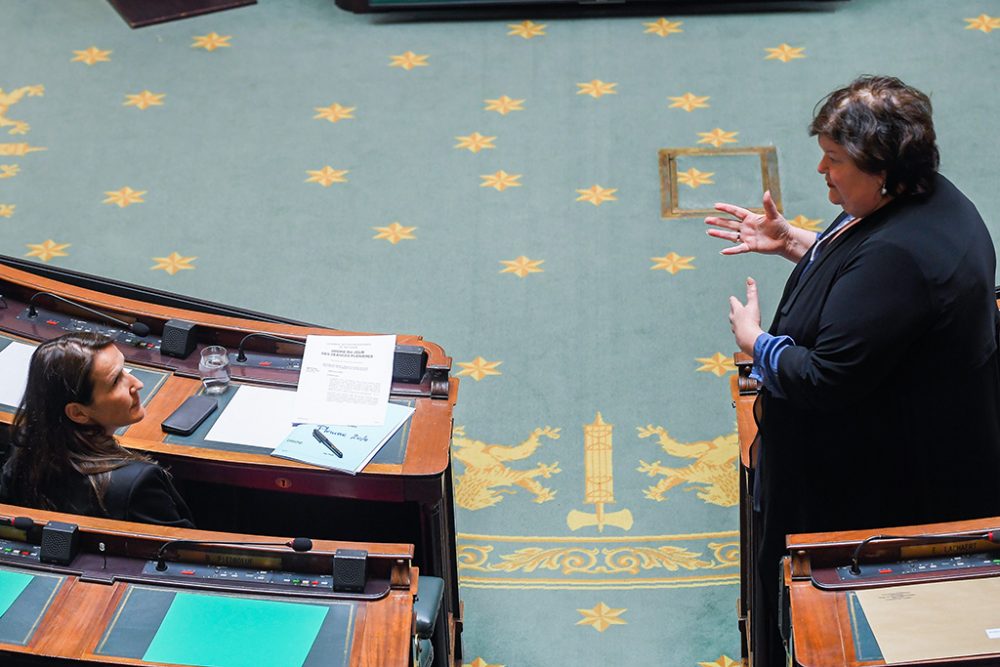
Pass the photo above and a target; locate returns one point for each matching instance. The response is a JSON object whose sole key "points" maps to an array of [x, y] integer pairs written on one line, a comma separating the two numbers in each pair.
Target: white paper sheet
{"points": [[255, 416], [345, 380], [14, 361]]}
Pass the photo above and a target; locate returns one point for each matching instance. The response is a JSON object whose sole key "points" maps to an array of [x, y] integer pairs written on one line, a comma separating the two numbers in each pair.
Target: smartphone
{"points": [[191, 413]]}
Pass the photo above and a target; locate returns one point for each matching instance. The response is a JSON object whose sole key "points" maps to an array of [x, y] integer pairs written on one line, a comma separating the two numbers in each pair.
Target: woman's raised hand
{"points": [[768, 234]]}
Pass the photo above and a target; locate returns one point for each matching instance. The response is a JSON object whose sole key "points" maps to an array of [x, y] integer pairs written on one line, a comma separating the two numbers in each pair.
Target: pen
{"points": [[318, 434]]}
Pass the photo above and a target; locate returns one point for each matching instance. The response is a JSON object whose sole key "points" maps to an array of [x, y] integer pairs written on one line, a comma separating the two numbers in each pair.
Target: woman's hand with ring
{"points": [[749, 231]]}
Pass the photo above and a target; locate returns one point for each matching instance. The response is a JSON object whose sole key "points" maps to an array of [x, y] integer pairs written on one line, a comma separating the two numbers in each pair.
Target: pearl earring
{"points": [[884, 191]]}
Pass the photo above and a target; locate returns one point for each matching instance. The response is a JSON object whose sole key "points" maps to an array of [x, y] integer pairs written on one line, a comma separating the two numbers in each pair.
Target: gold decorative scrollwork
{"points": [[474, 556], [726, 553]]}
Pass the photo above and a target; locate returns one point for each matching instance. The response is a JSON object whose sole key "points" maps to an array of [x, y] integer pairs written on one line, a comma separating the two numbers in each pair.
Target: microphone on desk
{"points": [[991, 535], [241, 356], [138, 328], [299, 544]]}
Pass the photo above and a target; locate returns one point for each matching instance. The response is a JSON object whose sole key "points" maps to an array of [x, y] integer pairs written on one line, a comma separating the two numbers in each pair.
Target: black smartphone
{"points": [[192, 412]]}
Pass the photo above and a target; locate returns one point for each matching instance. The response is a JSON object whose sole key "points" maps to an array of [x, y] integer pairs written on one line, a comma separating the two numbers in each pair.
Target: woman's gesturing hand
{"points": [[768, 234], [744, 320]]}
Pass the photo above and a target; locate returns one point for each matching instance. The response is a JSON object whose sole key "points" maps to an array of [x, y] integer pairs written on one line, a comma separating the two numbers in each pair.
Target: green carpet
{"points": [[492, 185]]}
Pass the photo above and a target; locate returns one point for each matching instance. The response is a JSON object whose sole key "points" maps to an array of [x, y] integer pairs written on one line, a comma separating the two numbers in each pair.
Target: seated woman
{"points": [[65, 457]]}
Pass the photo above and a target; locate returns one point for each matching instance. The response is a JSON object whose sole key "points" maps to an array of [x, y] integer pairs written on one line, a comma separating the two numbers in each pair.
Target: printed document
{"points": [[14, 361], [345, 380]]}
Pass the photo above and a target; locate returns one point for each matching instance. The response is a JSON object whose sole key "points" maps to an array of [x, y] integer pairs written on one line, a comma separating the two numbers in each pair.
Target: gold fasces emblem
{"points": [[599, 480]]}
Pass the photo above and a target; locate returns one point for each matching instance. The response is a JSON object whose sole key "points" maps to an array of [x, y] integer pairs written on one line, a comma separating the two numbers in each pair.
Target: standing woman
{"points": [[880, 403], [65, 457]]}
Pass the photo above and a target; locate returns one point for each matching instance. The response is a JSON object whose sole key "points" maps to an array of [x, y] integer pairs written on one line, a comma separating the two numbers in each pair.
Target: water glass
{"points": [[214, 369]]}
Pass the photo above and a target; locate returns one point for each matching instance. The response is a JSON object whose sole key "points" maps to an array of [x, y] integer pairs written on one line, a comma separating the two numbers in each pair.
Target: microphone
{"points": [[299, 544], [24, 523], [991, 535], [138, 328], [240, 356]]}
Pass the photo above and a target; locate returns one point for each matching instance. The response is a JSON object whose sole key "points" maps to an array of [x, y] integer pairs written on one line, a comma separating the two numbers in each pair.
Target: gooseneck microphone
{"points": [[299, 544], [138, 328], [241, 356], [991, 535]]}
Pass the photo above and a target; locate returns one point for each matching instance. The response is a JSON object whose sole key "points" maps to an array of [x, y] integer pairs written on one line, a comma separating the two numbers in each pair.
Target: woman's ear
{"points": [[77, 412]]}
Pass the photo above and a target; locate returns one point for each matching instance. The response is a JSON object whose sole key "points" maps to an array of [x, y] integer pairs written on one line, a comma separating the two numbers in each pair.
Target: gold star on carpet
{"points": [[597, 195], [809, 224], [718, 364], [144, 100], [7, 210], [91, 56], [475, 142], [172, 263], [522, 266], [47, 250], [479, 368], [717, 137], [596, 88], [334, 112], [479, 662], [663, 27], [601, 617], [326, 176], [527, 29], [723, 661], [500, 180], [503, 105], [408, 60], [983, 22], [124, 197], [694, 178], [689, 102], [211, 41], [9, 170], [785, 53], [672, 263], [394, 233]]}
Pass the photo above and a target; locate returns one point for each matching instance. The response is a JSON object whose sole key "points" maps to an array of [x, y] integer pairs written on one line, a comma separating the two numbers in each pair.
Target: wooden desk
{"points": [[406, 501], [822, 623], [88, 594]]}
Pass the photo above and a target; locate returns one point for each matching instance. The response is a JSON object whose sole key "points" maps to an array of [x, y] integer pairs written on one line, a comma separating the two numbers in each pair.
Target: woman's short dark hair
{"points": [[49, 446], [884, 125]]}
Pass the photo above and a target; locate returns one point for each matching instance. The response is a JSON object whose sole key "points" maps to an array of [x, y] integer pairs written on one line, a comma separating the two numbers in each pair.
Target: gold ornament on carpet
{"points": [[7, 100], [599, 490]]}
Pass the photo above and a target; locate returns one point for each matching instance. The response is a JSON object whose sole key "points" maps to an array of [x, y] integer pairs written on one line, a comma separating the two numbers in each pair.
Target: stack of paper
{"points": [[315, 443]]}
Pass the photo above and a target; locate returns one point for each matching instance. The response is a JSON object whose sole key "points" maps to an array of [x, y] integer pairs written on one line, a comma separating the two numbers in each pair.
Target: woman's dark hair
{"points": [[49, 447], [884, 125]]}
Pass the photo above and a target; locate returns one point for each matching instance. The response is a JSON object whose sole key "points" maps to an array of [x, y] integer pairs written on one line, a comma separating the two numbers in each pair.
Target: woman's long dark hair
{"points": [[50, 449]]}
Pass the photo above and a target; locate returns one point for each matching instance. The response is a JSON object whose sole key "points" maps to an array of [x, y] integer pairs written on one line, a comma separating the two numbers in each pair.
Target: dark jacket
{"points": [[138, 491], [891, 413]]}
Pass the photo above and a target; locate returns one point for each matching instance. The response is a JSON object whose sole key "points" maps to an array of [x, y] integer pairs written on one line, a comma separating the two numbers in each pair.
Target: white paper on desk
{"points": [[14, 362], [345, 380], [936, 620], [255, 416]]}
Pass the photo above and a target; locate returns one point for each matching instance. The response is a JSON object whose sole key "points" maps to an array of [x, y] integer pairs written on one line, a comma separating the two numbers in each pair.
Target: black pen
{"points": [[318, 434]]}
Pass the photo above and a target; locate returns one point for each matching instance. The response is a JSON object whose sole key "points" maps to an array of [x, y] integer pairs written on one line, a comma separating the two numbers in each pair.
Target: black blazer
{"points": [[138, 491], [891, 413]]}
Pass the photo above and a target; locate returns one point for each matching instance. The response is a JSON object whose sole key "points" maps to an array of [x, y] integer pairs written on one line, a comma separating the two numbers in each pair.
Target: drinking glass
{"points": [[214, 369]]}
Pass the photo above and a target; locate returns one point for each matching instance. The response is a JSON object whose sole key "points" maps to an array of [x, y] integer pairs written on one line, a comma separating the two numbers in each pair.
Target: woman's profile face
{"points": [[115, 399], [857, 192]]}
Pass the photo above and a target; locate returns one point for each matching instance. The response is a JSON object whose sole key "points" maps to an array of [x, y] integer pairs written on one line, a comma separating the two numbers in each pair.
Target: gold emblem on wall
{"points": [[713, 473], [487, 478], [599, 487]]}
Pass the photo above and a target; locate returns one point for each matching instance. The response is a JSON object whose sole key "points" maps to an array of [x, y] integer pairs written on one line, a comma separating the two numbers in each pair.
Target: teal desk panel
{"points": [[219, 630], [24, 600]]}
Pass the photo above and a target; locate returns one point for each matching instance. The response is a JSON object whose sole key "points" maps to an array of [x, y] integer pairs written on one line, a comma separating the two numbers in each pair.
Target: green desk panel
{"points": [[219, 630], [24, 600]]}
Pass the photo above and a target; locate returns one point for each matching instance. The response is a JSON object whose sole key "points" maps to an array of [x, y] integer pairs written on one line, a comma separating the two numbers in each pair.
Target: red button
{"points": [[885, 570], [187, 571]]}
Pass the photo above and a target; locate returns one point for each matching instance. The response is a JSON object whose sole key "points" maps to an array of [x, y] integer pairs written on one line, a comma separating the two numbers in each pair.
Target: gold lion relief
{"points": [[713, 473], [487, 478], [7, 100]]}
